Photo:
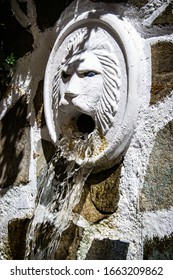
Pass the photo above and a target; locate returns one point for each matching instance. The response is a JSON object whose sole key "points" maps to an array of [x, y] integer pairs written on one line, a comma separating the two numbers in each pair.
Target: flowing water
{"points": [[59, 190]]}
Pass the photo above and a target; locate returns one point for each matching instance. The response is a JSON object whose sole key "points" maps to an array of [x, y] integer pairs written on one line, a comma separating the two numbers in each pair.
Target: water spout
{"points": [[59, 190]]}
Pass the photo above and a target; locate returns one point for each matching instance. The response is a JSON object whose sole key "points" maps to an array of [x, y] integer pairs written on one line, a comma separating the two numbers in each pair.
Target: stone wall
{"points": [[125, 212]]}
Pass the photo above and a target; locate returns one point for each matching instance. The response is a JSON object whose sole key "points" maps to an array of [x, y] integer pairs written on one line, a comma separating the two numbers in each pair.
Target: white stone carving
{"points": [[95, 84]]}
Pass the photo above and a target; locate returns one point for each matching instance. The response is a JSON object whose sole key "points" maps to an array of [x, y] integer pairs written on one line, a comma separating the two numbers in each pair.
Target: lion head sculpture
{"points": [[94, 87]]}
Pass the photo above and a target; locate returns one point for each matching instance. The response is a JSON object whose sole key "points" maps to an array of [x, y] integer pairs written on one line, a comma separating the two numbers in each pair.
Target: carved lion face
{"points": [[94, 87], [81, 84], [87, 82]]}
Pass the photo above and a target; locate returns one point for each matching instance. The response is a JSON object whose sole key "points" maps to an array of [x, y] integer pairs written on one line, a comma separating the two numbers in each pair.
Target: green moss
{"points": [[7, 64]]}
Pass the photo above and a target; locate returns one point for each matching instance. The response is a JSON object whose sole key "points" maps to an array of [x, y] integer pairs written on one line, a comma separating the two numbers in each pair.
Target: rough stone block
{"points": [[86, 207], [166, 17], [17, 237], [105, 194], [69, 243], [162, 71], [107, 249], [45, 151], [159, 249], [157, 191]]}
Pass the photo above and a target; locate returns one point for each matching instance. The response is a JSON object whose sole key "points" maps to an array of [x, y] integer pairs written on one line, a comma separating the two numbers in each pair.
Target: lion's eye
{"points": [[90, 74], [65, 75]]}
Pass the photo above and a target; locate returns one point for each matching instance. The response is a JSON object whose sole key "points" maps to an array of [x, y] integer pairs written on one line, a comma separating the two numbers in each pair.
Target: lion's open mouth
{"points": [[85, 124]]}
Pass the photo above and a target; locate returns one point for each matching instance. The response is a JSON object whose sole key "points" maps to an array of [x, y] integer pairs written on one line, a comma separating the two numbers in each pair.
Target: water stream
{"points": [[59, 190]]}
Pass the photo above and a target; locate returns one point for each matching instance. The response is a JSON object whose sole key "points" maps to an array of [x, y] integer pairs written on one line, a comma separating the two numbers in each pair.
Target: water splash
{"points": [[59, 190]]}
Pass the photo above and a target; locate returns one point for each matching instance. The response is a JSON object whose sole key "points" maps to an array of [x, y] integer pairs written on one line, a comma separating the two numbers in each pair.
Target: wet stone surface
{"points": [[17, 237], [69, 243], [105, 194], [44, 153], [100, 195], [87, 209]]}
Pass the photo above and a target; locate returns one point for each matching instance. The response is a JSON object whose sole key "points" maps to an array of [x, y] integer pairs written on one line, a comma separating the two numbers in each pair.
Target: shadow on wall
{"points": [[14, 146], [49, 11]]}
